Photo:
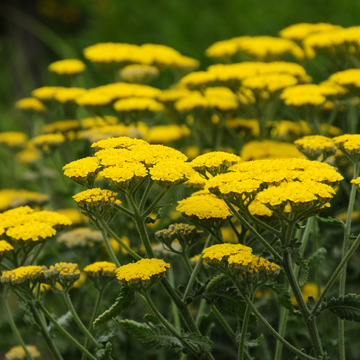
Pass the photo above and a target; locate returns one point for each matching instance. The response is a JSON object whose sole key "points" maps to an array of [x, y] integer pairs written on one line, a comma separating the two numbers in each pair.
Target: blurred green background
{"points": [[35, 33]]}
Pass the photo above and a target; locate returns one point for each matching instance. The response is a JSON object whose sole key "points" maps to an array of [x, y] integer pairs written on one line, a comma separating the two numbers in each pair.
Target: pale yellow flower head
{"points": [[67, 67]]}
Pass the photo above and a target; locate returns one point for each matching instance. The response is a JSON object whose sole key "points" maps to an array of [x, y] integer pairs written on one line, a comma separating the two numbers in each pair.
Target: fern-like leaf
{"points": [[346, 307], [124, 300]]}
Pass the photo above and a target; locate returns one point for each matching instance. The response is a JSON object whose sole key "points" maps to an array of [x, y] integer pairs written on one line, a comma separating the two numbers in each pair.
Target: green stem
{"points": [[64, 332], [54, 350], [200, 311], [187, 263], [154, 203], [241, 353], [224, 323], [284, 315], [14, 329], [146, 194], [309, 321], [37, 253], [114, 235], [93, 316], [345, 247], [270, 328], [109, 249], [254, 232], [124, 210], [335, 275], [174, 309], [168, 325], [77, 319], [196, 270]]}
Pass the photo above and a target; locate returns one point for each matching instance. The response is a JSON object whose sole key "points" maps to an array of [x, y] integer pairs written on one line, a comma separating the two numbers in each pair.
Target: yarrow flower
{"points": [[67, 67], [24, 274], [31, 231], [302, 30], [66, 274], [30, 104], [94, 198], [138, 73], [46, 93], [83, 171], [142, 274], [220, 252], [65, 95], [100, 269], [48, 141], [13, 138], [80, 237], [122, 142], [350, 145], [18, 352], [316, 145], [5, 247]]}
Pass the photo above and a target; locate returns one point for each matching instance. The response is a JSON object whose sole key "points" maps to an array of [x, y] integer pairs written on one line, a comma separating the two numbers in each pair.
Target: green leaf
{"points": [[346, 307], [28, 316], [331, 221], [105, 354], [230, 300], [197, 290], [107, 335], [123, 301], [248, 342], [155, 336], [65, 319], [203, 343], [283, 295], [218, 283], [303, 271], [317, 257]]}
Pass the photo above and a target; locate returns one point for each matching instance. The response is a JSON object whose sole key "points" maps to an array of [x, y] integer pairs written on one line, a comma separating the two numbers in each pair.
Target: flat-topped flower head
{"points": [[196, 181], [350, 145], [24, 274], [31, 231], [348, 79], [204, 208], [259, 210], [143, 273], [48, 142], [100, 269], [269, 82], [13, 138], [51, 218], [5, 247], [170, 172], [46, 93], [122, 142], [30, 104], [169, 96], [18, 352], [62, 126], [314, 146], [138, 73], [65, 95], [80, 237], [165, 134], [215, 162], [126, 176], [66, 274], [93, 98], [95, 200], [14, 217], [67, 67], [198, 79], [301, 30], [83, 171]]}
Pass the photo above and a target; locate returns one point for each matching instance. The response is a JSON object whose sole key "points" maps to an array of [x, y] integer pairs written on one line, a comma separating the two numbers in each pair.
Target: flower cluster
{"points": [[316, 145], [100, 269], [66, 274], [67, 67], [13, 138], [24, 274], [18, 352], [82, 236], [350, 145]]}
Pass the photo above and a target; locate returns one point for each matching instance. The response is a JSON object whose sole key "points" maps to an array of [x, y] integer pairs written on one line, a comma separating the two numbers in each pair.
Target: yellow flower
{"points": [[123, 142], [14, 216], [138, 73], [98, 121], [48, 141], [62, 126], [164, 134], [65, 95], [30, 104], [100, 269], [46, 93], [73, 214], [18, 352], [221, 252], [64, 273], [314, 146], [83, 169], [31, 231], [67, 67], [95, 197], [269, 82], [138, 104], [172, 95], [82, 236], [349, 144], [27, 156], [4, 246], [302, 30], [143, 273], [93, 97], [51, 218], [309, 289], [24, 274], [12, 198], [13, 138], [245, 126], [197, 79]]}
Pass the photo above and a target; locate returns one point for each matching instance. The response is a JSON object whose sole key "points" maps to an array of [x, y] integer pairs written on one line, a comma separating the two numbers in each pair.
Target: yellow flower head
{"points": [[82, 236], [204, 207], [14, 217], [73, 214], [18, 352], [82, 171], [5, 247], [93, 97], [143, 273], [24, 274], [95, 197], [48, 141], [67, 67], [100, 269], [170, 172], [316, 145], [302, 30], [65, 95], [215, 162], [138, 73], [164, 134], [309, 289], [172, 95], [30, 104], [46, 93], [350, 145], [62, 126], [138, 104], [13, 138], [269, 82], [221, 252], [123, 142], [64, 273], [51, 218], [31, 231], [197, 79]]}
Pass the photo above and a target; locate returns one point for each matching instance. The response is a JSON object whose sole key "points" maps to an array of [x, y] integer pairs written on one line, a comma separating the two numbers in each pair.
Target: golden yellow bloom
{"points": [[64, 273], [62, 126], [65, 95], [138, 73], [309, 289], [269, 82], [67, 67], [138, 104], [14, 216], [82, 236], [309, 94], [164, 134], [27, 156], [349, 144], [4, 246], [51, 218], [80, 170], [46, 93], [30, 104], [13, 138], [244, 126], [356, 213], [143, 273], [121, 90], [202, 206], [221, 252], [31, 231], [346, 78], [98, 121], [269, 149], [93, 97], [170, 172], [302, 30], [95, 197], [73, 214], [24, 273], [172, 95], [123, 142], [100, 269], [197, 79], [314, 146], [48, 141], [18, 352]]}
